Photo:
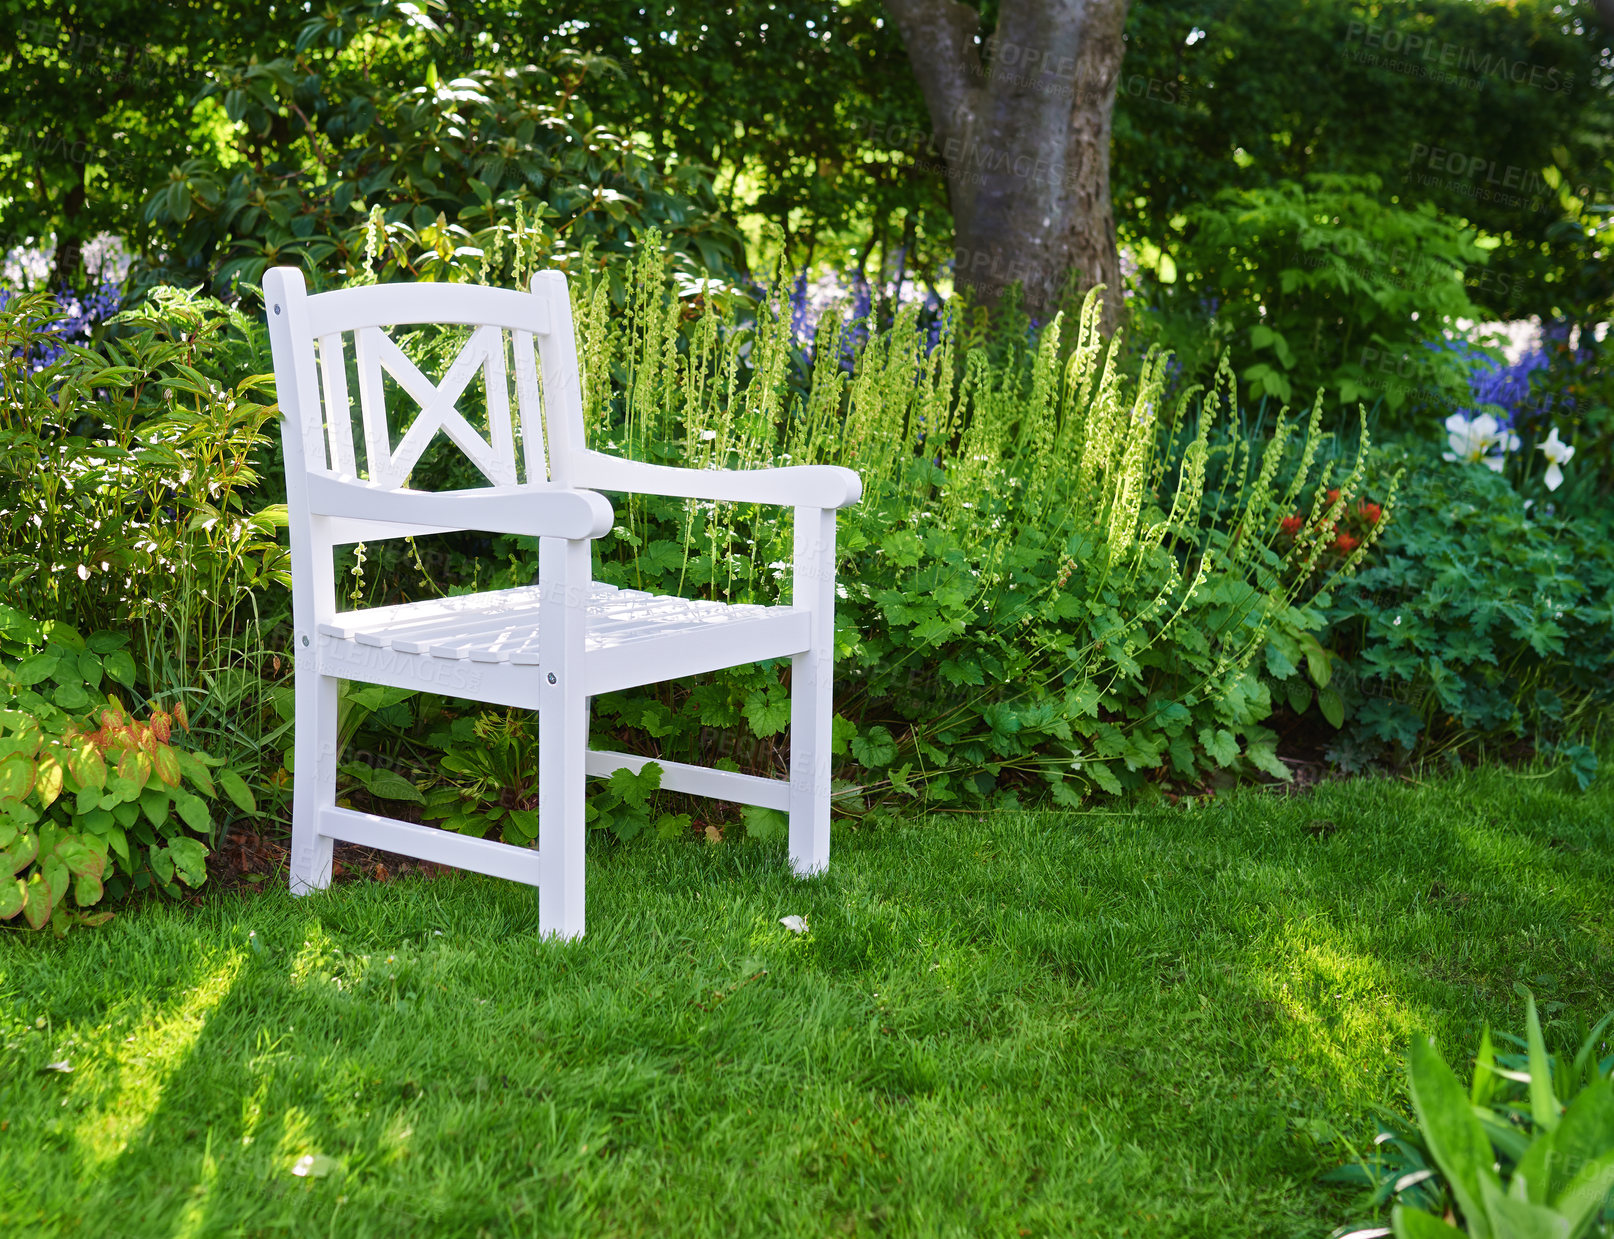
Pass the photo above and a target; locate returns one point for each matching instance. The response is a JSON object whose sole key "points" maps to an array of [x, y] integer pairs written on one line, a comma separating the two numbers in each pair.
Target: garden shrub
{"points": [[131, 498], [501, 171], [1320, 285], [95, 801], [1481, 620]]}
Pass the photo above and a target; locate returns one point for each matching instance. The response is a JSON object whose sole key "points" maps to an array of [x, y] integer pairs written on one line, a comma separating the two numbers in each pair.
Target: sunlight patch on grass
{"points": [[1343, 1008], [144, 1065], [312, 956], [195, 1213]]}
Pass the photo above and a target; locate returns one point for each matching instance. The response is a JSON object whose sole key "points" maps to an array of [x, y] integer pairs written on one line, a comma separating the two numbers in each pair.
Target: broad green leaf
{"points": [[119, 667], [1332, 706], [1455, 1138], [1317, 661], [1512, 1218], [162, 863], [236, 789], [768, 711], [1410, 1223], [1543, 1104], [875, 748], [522, 822], [1587, 1192], [89, 667], [36, 910], [87, 890], [34, 670], [199, 775], [154, 803], [13, 897], [79, 858], [135, 767], [193, 809], [1103, 776], [764, 824], [1585, 1133], [190, 859], [165, 765], [16, 777], [86, 765], [71, 696], [48, 777], [19, 855], [387, 784], [1220, 743]]}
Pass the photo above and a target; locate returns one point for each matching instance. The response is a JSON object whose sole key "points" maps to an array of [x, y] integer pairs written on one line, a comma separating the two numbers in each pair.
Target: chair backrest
{"points": [[529, 333]]}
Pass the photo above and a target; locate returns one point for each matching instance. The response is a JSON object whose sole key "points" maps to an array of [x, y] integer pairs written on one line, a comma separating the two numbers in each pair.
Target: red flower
{"points": [[1292, 524], [1333, 495], [1345, 544], [1370, 513]]}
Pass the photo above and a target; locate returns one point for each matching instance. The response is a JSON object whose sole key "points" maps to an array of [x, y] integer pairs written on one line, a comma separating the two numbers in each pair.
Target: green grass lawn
{"points": [[1041, 1024]]}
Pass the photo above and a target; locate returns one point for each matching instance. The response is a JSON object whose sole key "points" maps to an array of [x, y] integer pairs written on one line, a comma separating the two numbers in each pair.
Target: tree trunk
{"points": [[1024, 135]]}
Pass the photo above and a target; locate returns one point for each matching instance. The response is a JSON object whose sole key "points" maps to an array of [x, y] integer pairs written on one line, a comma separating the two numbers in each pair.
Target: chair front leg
{"points": [[563, 581], [315, 750], [812, 698]]}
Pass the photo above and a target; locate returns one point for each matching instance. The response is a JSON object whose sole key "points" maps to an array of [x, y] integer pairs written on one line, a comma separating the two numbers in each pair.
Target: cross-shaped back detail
{"points": [[539, 326]]}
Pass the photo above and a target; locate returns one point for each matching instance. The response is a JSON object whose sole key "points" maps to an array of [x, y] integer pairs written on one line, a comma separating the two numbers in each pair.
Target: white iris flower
{"points": [[1473, 440], [1557, 454]]}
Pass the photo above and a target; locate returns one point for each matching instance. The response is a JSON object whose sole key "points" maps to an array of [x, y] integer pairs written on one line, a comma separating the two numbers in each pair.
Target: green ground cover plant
{"points": [[1164, 1022], [1478, 624], [95, 801]]}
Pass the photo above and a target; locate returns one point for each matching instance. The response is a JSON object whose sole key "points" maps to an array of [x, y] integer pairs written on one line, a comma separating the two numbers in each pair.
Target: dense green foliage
{"points": [[1491, 113], [133, 462], [1319, 286], [96, 110], [1479, 622], [358, 121], [808, 116], [1169, 1020], [1007, 626], [93, 799]]}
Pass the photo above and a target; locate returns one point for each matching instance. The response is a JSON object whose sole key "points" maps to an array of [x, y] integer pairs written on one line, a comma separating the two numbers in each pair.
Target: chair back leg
{"points": [[313, 781]]}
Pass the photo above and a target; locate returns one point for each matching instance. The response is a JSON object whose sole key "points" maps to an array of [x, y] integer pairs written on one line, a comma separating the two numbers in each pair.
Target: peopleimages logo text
{"points": [[1455, 58]]}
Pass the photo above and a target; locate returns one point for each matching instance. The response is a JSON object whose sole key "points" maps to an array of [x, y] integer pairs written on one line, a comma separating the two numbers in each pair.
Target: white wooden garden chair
{"points": [[547, 647]]}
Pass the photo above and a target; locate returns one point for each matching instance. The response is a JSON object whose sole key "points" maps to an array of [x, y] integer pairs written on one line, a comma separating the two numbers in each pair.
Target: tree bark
{"points": [[1023, 135]]}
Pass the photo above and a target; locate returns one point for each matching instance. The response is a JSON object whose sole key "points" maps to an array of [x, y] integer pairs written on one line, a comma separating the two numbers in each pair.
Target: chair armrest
{"points": [[795, 486], [539, 511]]}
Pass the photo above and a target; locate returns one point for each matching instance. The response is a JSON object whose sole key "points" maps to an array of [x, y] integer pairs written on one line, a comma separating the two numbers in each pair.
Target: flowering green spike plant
{"points": [[1058, 580]]}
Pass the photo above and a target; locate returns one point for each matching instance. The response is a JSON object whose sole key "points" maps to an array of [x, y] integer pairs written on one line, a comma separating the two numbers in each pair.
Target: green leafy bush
{"points": [[1526, 1151], [1478, 622], [132, 497], [1319, 286], [494, 173], [95, 802]]}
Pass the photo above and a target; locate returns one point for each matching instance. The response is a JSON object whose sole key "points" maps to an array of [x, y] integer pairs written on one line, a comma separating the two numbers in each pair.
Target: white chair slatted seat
{"points": [[549, 646]]}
